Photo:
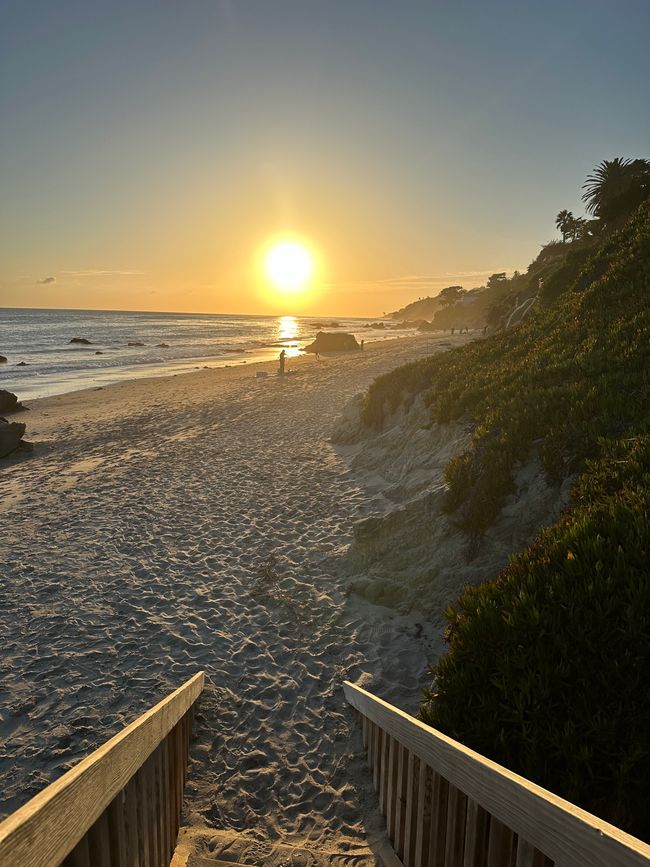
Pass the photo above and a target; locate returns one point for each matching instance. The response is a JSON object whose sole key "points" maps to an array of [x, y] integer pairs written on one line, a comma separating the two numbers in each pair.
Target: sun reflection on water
{"points": [[288, 335]]}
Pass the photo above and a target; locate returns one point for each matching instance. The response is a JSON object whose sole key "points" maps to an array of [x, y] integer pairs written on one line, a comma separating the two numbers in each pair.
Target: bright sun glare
{"points": [[288, 266]]}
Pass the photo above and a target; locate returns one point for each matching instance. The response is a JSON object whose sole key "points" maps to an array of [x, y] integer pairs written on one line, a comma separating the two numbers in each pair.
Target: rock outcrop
{"points": [[11, 437], [3, 359], [9, 402], [80, 340], [340, 342]]}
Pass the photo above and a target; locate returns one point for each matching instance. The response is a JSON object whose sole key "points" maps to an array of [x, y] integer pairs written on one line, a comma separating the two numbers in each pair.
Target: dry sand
{"points": [[199, 521]]}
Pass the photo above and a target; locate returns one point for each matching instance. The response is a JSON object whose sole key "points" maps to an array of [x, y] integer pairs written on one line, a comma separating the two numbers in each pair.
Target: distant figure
{"points": [[362, 342], [283, 355]]}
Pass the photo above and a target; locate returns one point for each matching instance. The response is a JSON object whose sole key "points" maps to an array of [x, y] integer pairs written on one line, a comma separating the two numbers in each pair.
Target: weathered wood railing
{"points": [[447, 806], [120, 806]]}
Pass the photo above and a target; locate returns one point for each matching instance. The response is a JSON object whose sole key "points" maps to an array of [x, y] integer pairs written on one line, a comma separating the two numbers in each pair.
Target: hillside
{"points": [[423, 308], [547, 664]]}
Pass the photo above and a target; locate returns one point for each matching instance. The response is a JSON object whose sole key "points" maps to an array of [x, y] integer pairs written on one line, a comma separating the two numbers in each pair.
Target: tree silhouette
{"points": [[616, 188], [563, 222]]}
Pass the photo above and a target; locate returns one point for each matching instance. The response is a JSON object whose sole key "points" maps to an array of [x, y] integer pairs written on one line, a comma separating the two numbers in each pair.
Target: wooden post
{"points": [[80, 855], [376, 748], [529, 856], [500, 844], [400, 804], [476, 830], [117, 831], [423, 820], [384, 774], [99, 842], [438, 834], [410, 829], [392, 793], [455, 842]]}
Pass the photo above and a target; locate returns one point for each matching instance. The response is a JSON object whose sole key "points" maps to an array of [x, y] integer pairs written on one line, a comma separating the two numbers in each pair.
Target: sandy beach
{"points": [[192, 522]]}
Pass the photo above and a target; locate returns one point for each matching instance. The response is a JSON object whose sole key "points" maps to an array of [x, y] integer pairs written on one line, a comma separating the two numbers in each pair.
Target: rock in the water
{"points": [[162, 345], [22, 364], [82, 340], [98, 352], [9, 402], [326, 342], [3, 359], [11, 434]]}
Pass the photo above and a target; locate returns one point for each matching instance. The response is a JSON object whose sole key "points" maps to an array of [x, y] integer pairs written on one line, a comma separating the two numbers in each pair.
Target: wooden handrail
{"points": [[127, 793], [435, 792]]}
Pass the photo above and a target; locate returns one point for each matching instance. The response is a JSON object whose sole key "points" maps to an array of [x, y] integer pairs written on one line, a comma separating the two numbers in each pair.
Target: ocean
{"points": [[128, 345]]}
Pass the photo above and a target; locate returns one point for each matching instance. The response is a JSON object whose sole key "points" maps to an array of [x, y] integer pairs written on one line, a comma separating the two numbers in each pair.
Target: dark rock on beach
{"points": [[11, 437], [340, 342], [81, 340], [9, 402], [3, 359]]}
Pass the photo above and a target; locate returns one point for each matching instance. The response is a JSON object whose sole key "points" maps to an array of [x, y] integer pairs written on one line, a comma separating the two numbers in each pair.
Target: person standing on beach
{"points": [[283, 355]]}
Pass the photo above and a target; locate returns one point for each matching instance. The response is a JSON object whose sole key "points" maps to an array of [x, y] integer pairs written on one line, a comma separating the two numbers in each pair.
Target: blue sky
{"points": [[147, 148]]}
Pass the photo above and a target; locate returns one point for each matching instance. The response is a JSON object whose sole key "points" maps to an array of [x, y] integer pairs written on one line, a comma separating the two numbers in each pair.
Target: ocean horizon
{"points": [[122, 344]]}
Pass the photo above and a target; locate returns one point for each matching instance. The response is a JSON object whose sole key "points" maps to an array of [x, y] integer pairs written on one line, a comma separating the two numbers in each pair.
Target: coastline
{"points": [[196, 521]]}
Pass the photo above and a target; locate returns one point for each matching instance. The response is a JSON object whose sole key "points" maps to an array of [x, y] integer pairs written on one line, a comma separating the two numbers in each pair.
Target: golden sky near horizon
{"points": [[151, 152]]}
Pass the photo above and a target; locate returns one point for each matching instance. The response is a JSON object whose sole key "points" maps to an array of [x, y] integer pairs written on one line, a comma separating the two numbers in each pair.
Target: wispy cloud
{"points": [[46, 280], [102, 272]]}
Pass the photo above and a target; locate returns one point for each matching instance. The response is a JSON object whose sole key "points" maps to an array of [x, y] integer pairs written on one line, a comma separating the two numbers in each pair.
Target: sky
{"points": [[150, 151]]}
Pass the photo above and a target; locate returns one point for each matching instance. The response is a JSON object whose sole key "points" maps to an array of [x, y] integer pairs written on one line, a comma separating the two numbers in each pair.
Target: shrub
{"points": [[571, 373], [547, 669]]}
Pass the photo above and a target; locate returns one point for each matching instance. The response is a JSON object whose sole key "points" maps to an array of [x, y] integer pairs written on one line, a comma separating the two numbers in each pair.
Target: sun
{"points": [[288, 265]]}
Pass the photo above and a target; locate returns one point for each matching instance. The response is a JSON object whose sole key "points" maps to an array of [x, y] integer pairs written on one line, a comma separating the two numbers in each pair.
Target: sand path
{"points": [[194, 522]]}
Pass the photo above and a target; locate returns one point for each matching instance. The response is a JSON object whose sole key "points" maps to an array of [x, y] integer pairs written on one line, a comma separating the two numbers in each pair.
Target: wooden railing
{"points": [[447, 806], [119, 806]]}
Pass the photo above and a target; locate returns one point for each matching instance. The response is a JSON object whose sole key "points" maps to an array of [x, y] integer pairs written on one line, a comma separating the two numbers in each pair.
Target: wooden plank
{"points": [[383, 774], [179, 774], [568, 835], [80, 855], [117, 831], [167, 799], [391, 792], [423, 821], [98, 842], [410, 829], [528, 855], [476, 827], [142, 802], [455, 832], [376, 757], [364, 731], [438, 828], [131, 820], [400, 803], [49, 826], [370, 753], [149, 777], [161, 812], [500, 844]]}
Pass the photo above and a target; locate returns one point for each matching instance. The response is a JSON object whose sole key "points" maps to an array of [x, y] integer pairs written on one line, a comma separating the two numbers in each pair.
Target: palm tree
{"points": [[616, 188], [563, 222]]}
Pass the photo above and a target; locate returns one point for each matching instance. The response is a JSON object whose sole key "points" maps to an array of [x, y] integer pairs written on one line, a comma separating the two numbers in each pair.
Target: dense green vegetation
{"points": [[612, 192], [547, 668]]}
